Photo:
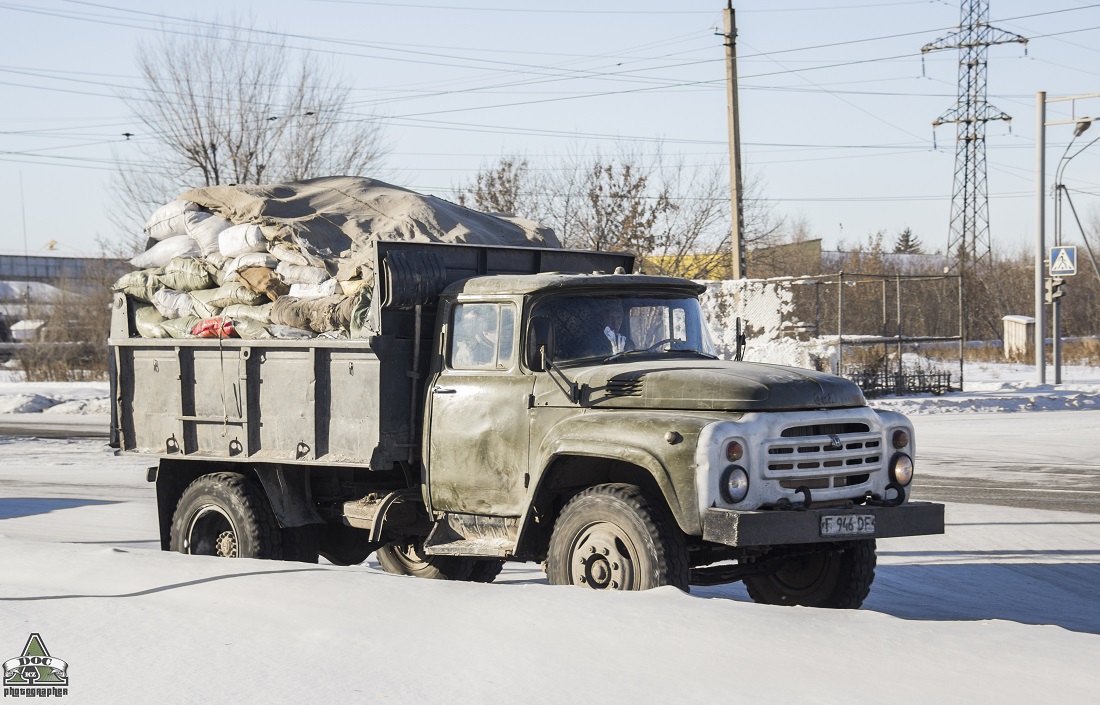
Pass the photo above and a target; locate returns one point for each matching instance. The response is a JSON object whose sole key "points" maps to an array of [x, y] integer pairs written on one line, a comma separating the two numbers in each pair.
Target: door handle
{"points": [[443, 390]]}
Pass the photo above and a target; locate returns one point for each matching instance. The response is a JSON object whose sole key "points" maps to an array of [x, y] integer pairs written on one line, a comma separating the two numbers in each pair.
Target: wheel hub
{"points": [[602, 559], [226, 545]]}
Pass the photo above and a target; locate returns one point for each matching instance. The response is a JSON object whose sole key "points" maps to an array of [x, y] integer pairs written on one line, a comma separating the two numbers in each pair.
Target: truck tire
{"points": [[343, 545], [612, 537], [301, 543], [485, 571], [838, 578], [225, 514], [408, 558]]}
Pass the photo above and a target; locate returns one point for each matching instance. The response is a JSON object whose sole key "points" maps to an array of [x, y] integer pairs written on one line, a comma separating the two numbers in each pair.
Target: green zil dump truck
{"points": [[520, 404]]}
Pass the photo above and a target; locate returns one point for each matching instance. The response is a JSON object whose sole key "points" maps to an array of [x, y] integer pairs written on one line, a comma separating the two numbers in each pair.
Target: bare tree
{"points": [[503, 188], [220, 109], [675, 217], [622, 206], [691, 238]]}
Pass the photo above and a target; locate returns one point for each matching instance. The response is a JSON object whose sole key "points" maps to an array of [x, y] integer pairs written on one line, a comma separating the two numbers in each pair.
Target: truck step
{"points": [[494, 548], [472, 535]]}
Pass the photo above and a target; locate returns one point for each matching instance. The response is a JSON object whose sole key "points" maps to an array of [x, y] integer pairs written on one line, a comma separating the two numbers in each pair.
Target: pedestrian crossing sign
{"points": [[1063, 260]]}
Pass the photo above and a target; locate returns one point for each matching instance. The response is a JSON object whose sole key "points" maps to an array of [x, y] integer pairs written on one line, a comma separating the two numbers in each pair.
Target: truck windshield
{"points": [[610, 326]]}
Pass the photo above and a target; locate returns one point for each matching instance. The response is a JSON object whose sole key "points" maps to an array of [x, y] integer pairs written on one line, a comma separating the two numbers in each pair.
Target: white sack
{"points": [[250, 329], [162, 253], [169, 219], [180, 327], [237, 312], [285, 253], [290, 333], [239, 239], [204, 228], [147, 320], [173, 304], [227, 295], [309, 291], [296, 274], [251, 259]]}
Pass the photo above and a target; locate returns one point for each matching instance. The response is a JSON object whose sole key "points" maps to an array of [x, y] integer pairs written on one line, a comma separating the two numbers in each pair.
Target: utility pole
{"points": [[1042, 267], [729, 31], [1040, 239]]}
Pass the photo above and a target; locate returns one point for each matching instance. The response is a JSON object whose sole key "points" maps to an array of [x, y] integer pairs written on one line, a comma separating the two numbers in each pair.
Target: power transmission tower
{"points": [[969, 239]]}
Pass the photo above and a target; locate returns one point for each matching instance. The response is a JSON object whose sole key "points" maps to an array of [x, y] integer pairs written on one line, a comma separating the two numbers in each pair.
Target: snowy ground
{"points": [[1003, 608]]}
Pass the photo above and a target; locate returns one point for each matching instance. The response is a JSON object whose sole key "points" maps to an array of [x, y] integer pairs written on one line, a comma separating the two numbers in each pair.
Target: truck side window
{"points": [[483, 336]]}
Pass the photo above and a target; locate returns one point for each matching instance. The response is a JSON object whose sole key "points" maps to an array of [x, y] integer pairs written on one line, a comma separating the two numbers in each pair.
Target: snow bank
{"points": [[24, 403], [18, 397], [1003, 387], [290, 632]]}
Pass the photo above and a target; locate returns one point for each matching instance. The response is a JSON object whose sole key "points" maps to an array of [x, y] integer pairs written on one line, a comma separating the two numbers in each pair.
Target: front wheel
{"points": [[225, 514], [612, 537], [838, 577]]}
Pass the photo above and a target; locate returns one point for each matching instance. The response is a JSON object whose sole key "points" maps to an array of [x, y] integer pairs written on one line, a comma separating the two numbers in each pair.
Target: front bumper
{"points": [[734, 527]]}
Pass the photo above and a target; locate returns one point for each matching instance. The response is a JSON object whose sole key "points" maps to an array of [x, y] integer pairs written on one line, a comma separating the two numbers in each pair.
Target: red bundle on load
{"points": [[214, 328]]}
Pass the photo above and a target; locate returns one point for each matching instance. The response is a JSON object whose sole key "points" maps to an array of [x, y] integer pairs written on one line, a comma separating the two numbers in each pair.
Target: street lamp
{"points": [[1080, 125]]}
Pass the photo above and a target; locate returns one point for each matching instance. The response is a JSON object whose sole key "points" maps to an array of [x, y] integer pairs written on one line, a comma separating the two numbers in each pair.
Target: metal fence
{"points": [[890, 333]]}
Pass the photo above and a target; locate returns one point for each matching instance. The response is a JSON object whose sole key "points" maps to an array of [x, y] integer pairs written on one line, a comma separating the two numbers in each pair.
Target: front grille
{"points": [[828, 455], [825, 429], [625, 387], [810, 483]]}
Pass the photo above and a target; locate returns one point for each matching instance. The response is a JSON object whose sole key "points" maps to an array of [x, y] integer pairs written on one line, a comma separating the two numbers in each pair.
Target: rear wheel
{"points": [[225, 514], [838, 577], [408, 558], [611, 537]]}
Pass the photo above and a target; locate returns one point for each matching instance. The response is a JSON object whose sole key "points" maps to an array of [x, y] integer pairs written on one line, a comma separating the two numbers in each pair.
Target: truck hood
{"points": [[711, 384]]}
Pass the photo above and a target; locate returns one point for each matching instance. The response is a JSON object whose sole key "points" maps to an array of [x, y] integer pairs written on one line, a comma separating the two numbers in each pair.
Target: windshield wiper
{"points": [[656, 345]]}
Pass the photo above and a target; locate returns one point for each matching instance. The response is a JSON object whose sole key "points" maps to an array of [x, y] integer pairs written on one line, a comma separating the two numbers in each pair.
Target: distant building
{"points": [[59, 269], [31, 284], [807, 258]]}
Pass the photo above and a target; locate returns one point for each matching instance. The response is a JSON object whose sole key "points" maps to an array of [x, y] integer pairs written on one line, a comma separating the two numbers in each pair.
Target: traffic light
{"points": [[1055, 289]]}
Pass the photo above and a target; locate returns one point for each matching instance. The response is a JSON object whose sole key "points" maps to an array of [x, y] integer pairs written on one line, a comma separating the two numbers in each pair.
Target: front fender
{"points": [[637, 438]]}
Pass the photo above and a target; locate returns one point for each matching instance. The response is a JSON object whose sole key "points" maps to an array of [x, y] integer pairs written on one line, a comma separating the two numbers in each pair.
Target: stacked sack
{"points": [[204, 276]]}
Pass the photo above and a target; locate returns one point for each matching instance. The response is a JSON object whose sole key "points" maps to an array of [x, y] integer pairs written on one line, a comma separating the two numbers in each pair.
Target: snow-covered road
{"points": [[1044, 460]]}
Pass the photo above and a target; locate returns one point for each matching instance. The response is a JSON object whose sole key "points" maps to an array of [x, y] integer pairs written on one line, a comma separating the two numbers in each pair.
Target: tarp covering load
{"points": [[291, 259], [334, 219]]}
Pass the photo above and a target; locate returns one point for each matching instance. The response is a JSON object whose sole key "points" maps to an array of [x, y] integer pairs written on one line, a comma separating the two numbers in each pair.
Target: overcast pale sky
{"points": [[836, 102]]}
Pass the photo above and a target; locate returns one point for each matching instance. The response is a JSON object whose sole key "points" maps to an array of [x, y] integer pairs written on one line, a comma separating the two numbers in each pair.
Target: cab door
{"points": [[479, 429]]}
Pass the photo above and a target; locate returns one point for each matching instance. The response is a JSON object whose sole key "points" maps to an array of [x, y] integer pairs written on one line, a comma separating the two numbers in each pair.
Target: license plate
{"points": [[848, 525]]}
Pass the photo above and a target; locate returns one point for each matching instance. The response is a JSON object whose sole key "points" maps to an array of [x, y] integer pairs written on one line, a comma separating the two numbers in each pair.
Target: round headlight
{"points": [[900, 438], [735, 484], [734, 451], [901, 469]]}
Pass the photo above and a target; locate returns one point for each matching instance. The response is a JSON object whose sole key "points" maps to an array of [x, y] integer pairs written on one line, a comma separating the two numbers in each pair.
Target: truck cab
{"points": [[545, 386]]}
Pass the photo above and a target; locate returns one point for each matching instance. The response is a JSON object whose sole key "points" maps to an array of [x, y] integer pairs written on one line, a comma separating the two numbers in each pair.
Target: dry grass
{"points": [[72, 345]]}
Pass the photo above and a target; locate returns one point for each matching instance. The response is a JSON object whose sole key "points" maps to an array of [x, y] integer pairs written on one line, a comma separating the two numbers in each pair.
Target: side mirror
{"points": [[540, 344]]}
